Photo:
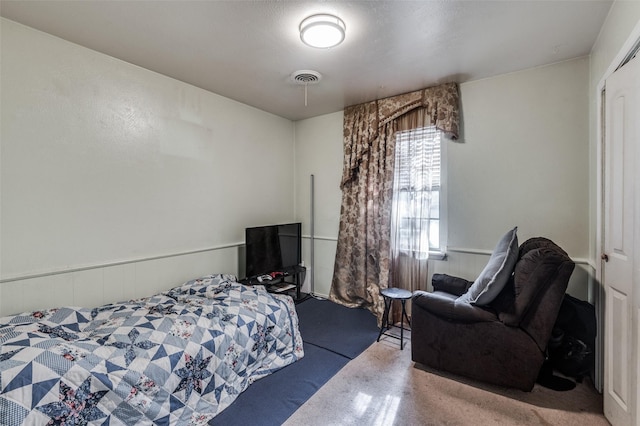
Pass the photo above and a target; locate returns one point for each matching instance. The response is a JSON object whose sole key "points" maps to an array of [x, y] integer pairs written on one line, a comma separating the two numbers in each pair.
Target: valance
{"points": [[363, 122]]}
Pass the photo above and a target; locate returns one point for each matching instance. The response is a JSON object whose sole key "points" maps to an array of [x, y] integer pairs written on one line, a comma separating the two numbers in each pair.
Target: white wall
{"points": [[523, 161], [120, 181], [319, 152]]}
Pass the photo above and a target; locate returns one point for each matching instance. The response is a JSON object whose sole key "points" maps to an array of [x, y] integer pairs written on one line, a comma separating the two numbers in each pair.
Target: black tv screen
{"points": [[273, 248]]}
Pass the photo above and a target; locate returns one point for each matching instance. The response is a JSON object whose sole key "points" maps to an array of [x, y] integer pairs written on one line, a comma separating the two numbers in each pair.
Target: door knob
{"points": [[604, 257]]}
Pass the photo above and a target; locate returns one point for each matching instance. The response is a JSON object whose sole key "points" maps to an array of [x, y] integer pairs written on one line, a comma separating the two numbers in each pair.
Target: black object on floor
{"points": [[332, 335], [572, 343], [547, 379]]}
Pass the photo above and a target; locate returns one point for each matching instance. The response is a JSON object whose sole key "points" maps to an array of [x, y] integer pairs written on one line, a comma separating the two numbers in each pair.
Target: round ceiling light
{"points": [[322, 31]]}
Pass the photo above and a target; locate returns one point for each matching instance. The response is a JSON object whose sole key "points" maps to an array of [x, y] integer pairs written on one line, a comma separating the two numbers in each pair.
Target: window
{"points": [[418, 192]]}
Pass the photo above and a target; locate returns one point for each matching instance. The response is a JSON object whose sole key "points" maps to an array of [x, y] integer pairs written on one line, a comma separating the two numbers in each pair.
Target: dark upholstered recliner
{"points": [[503, 342]]}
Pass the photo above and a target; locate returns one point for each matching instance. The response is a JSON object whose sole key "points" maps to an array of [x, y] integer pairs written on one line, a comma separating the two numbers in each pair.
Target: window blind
{"points": [[418, 159]]}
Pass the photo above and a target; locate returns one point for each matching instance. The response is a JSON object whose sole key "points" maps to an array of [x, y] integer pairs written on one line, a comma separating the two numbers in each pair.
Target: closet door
{"points": [[621, 228]]}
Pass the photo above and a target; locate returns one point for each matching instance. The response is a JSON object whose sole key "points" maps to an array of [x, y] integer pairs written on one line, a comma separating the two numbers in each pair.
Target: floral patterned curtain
{"points": [[362, 262]]}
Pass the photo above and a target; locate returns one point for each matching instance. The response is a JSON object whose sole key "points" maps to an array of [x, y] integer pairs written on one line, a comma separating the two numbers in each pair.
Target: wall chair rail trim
{"points": [[116, 263], [577, 260], [320, 237]]}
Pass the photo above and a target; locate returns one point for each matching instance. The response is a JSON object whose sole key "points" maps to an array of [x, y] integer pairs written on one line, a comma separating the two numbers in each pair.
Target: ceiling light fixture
{"points": [[322, 31]]}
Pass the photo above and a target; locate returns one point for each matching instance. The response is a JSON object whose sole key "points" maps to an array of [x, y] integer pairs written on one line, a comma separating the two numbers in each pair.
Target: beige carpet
{"points": [[384, 387]]}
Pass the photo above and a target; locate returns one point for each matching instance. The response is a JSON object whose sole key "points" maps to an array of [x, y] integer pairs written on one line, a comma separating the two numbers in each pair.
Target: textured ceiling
{"points": [[246, 50]]}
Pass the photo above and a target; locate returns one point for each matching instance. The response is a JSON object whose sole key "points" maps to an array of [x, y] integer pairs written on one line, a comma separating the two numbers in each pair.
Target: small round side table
{"points": [[389, 295]]}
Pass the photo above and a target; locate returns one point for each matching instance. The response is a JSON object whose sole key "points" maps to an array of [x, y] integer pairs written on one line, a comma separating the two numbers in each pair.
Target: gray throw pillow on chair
{"points": [[495, 275]]}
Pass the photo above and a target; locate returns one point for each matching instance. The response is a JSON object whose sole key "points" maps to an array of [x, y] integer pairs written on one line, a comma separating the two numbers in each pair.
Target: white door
{"points": [[620, 197]]}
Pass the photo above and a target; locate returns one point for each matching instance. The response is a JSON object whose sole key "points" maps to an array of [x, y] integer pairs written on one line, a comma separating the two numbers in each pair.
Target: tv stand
{"points": [[289, 283]]}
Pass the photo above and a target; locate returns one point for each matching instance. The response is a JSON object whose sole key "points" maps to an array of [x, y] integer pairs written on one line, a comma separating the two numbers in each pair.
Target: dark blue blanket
{"points": [[345, 331]]}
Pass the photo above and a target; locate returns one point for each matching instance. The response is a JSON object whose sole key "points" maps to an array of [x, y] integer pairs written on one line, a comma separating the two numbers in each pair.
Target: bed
{"points": [[179, 357]]}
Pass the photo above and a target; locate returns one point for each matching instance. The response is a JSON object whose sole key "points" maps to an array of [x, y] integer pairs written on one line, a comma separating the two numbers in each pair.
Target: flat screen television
{"points": [[273, 248]]}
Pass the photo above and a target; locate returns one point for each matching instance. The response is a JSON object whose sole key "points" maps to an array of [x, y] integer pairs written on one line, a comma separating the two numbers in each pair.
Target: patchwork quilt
{"points": [[177, 358]]}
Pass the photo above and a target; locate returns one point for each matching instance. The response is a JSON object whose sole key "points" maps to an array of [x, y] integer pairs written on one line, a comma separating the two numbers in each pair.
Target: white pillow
{"points": [[496, 274]]}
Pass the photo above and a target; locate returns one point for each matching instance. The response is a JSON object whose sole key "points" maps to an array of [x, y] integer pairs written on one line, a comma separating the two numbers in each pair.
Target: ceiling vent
{"points": [[306, 77]]}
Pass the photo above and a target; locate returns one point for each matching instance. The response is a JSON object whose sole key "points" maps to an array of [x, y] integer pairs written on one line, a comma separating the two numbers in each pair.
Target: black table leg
{"points": [[385, 318], [402, 325], [404, 312]]}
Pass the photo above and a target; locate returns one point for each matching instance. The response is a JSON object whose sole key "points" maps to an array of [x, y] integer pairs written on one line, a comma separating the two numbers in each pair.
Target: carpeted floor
{"points": [[333, 335], [383, 386]]}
